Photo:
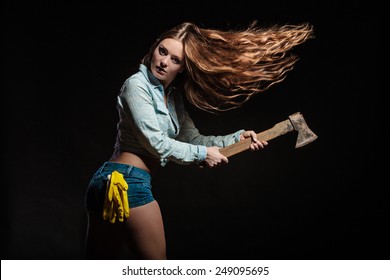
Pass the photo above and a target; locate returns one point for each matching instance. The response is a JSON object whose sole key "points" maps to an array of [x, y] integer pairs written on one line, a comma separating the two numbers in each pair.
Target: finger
{"points": [[257, 142], [253, 135], [112, 213], [126, 204], [263, 144], [119, 204], [254, 147]]}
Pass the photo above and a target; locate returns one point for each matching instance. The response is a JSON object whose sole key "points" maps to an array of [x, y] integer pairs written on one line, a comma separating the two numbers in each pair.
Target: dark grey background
{"points": [[63, 65]]}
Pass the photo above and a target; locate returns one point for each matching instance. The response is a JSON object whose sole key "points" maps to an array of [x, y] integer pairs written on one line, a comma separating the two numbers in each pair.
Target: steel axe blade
{"points": [[294, 122]]}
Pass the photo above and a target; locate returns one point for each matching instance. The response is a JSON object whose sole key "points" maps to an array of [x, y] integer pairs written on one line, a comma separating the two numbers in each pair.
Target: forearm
{"points": [[219, 141]]}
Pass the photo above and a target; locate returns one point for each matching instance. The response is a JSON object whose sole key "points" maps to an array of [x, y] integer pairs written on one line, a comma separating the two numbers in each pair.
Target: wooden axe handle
{"points": [[276, 131]]}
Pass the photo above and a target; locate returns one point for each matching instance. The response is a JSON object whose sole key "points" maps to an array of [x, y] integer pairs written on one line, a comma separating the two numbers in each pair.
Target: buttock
{"points": [[138, 180]]}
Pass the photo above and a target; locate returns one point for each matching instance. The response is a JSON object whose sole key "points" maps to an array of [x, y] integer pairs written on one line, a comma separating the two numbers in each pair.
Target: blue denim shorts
{"points": [[139, 181]]}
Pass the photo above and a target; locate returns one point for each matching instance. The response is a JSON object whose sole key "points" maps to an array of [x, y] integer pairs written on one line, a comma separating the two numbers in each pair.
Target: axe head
{"points": [[305, 135]]}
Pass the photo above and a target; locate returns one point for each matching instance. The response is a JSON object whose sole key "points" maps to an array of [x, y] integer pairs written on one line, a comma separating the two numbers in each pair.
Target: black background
{"points": [[63, 64]]}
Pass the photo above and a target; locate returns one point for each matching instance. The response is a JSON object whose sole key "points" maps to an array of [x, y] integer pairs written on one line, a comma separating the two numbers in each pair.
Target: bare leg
{"points": [[144, 230], [104, 240]]}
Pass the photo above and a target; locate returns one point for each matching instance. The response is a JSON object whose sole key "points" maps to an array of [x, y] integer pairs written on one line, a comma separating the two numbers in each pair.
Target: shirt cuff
{"points": [[202, 153], [237, 135]]}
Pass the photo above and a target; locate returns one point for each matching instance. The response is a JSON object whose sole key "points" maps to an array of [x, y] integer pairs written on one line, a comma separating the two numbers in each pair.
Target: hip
{"points": [[138, 180]]}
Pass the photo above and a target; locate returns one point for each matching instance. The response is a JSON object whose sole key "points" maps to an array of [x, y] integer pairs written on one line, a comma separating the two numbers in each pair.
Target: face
{"points": [[167, 60]]}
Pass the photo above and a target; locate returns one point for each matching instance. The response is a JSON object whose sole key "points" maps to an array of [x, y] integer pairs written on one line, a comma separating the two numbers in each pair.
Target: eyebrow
{"points": [[178, 57]]}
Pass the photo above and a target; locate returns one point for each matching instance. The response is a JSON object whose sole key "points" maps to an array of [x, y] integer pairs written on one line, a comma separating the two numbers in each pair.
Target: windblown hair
{"points": [[224, 69]]}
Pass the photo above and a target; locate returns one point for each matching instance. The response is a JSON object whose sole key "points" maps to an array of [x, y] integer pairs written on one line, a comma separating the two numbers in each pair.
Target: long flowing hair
{"points": [[224, 69]]}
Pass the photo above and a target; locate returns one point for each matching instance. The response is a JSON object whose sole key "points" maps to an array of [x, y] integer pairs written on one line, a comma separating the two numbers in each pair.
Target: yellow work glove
{"points": [[116, 205]]}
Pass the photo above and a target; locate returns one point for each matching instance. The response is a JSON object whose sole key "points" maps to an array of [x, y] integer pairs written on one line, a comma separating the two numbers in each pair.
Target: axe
{"points": [[294, 122]]}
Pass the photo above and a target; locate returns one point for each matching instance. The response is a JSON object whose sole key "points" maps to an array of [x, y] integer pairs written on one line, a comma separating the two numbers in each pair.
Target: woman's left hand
{"points": [[255, 144]]}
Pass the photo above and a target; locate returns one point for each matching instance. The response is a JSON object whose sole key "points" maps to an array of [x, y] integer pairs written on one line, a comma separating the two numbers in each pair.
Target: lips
{"points": [[160, 70]]}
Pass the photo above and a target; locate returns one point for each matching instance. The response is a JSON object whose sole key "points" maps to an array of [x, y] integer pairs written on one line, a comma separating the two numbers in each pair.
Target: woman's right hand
{"points": [[214, 157]]}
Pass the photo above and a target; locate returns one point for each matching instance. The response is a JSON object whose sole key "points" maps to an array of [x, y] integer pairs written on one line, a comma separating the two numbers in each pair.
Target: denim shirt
{"points": [[148, 127]]}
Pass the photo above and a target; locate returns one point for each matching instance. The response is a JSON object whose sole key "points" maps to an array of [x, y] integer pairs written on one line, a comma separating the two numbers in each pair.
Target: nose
{"points": [[164, 62]]}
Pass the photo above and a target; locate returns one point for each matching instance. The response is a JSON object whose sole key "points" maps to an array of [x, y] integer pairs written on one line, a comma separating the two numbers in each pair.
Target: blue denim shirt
{"points": [[148, 127]]}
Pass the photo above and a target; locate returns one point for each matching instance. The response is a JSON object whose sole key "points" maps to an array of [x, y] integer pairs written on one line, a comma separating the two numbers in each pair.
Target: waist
{"points": [[143, 162]]}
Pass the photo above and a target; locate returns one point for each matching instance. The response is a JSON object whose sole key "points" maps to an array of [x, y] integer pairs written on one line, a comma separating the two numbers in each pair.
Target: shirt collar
{"points": [[149, 75]]}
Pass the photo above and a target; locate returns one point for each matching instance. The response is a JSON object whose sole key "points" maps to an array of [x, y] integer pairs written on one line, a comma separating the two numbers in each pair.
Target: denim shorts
{"points": [[139, 181]]}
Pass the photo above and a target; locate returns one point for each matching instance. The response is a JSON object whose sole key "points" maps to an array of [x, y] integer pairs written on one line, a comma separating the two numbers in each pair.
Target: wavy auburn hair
{"points": [[224, 69]]}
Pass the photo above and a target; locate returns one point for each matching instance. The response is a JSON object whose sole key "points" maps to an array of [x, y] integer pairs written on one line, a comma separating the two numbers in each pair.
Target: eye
{"points": [[162, 50], [176, 60]]}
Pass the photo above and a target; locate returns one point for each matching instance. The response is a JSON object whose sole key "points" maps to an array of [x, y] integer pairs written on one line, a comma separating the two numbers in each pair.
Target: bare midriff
{"points": [[145, 163]]}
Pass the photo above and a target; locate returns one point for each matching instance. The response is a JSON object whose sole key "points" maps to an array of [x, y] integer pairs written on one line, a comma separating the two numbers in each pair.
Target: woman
{"points": [[217, 71]]}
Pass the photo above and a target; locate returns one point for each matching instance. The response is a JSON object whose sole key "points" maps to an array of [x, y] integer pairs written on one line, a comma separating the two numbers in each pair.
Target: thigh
{"points": [[144, 231], [104, 240]]}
